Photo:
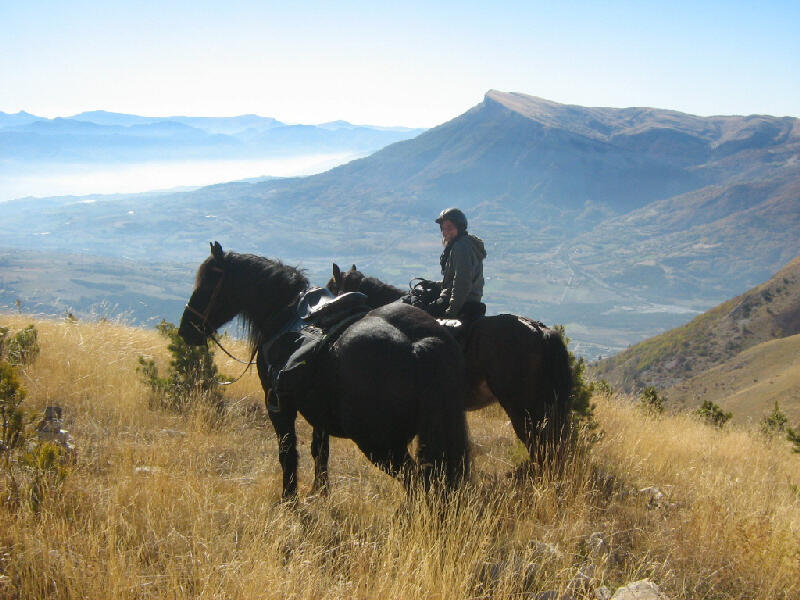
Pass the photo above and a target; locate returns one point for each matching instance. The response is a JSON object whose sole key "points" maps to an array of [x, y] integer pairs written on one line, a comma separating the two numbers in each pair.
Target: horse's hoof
{"points": [[311, 498], [288, 500], [321, 490]]}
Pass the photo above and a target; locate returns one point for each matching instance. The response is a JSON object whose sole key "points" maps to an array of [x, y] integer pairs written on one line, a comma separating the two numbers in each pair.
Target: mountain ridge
{"points": [[618, 238], [107, 137], [638, 119]]}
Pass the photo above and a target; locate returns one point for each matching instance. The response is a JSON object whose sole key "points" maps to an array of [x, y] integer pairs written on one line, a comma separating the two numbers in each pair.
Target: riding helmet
{"points": [[455, 216]]}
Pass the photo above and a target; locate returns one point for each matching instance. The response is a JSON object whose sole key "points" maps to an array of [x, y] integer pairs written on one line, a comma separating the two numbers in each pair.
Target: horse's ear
{"points": [[216, 251], [353, 268], [337, 274]]}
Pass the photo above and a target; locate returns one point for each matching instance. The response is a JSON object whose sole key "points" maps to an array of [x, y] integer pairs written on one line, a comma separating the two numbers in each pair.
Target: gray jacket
{"points": [[462, 273]]}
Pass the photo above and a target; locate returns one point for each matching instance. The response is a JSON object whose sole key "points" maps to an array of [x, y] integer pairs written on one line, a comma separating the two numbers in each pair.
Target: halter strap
{"points": [[286, 321]]}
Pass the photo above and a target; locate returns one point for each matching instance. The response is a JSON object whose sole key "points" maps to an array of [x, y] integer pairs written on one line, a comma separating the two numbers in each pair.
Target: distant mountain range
{"points": [[620, 223], [100, 136]]}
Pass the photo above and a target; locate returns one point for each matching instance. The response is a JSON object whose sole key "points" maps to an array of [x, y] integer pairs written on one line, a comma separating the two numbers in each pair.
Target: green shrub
{"points": [[46, 467], [603, 388], [712, 414], [651, 401], [22, 348], [11, 417], [12, 434], [192, 374], [582, 391], [775, 422], [793, 435]]}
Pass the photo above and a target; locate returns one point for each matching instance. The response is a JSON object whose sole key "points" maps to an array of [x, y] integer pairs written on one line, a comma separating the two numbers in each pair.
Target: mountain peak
{"points": [[521, 103], [591, 122], [605, 123]]}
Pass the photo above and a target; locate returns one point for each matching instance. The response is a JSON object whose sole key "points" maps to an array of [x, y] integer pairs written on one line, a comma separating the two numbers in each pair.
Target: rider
{"points": [[462, 270]]}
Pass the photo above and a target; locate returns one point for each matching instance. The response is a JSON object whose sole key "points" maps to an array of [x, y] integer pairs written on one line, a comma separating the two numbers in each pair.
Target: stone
{"points": [[582, 580], [655, 497], [639, 590], [602, 593], [597, 544], [49, 429], [545, 549]]}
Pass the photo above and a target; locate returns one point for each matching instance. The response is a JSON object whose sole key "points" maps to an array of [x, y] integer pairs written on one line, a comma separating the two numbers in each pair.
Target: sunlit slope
{"points": [[166, 505], [749, 384], [766, 312]]}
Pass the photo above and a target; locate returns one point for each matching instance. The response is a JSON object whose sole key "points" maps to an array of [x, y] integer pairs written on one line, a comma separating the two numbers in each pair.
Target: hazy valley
{"points": [[619, 223]]}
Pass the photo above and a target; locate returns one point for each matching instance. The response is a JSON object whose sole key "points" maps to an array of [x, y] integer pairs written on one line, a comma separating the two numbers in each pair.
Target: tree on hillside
{"points": [[712, 414], [775, 422], [793, 435], [650, 401], [11, 418], [23, 347], [581, 401], [192, 374]]}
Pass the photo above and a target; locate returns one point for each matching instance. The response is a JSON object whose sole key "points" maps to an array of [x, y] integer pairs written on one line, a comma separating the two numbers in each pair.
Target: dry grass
{"points": [[203, 520]]}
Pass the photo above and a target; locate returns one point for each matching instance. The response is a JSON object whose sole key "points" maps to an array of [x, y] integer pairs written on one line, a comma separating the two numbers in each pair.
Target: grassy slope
{"points": [[203, 521], [768, 311], [750, 383]]}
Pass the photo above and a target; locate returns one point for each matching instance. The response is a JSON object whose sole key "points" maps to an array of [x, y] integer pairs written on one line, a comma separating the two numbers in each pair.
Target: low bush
{"points": [[11, 416], [712, 414], [21, 348], [650, 401], [775, 422], [192, 375], [582, 390]]}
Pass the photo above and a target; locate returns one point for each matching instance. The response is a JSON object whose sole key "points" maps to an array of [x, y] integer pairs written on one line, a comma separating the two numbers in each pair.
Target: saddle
{"points": [[319, 307], [323, 317], [456, 327]]}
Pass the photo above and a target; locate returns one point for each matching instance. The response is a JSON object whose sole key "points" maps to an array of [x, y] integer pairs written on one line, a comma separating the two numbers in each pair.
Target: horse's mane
{"points": [[378, 292], [265, 289]]}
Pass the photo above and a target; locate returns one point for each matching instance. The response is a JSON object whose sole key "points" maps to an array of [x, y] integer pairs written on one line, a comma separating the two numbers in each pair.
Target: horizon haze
{"points": [[414, 64]]}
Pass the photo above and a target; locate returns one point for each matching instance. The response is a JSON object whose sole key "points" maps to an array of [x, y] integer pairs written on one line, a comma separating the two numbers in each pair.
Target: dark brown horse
{"points": [[390, 376], [513, 360]]}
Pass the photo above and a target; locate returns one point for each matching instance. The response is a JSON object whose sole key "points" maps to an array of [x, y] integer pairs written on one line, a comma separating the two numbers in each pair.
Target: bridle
{"points": [[204, 326], [214, 294], [291, 309]]}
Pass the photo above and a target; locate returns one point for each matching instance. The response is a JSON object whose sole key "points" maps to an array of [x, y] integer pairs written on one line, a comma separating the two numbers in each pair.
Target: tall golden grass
{"points": [[158, 505]]}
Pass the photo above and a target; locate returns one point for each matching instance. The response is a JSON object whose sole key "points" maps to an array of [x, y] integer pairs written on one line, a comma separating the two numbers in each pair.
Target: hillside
{"points": [[159, 504], [619, 223], [748, 384], [767, 312]]}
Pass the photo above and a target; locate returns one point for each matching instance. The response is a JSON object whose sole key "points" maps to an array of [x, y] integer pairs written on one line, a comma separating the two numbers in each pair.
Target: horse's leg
{"points": [[283, 422], [524, 427], [320, 450], [397, 462]]}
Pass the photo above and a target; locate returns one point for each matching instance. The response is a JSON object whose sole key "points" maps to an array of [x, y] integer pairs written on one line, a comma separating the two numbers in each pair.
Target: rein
{"points": [[248, 363], [204, 316], [287, 321]]}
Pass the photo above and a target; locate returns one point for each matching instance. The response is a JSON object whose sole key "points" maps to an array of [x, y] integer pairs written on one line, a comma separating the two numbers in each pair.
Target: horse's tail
{"points": [[442, 442], [559, 374]]}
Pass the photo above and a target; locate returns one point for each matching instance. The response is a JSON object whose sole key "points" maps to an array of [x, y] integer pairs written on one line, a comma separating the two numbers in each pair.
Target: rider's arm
{"points": [[463, 260]]}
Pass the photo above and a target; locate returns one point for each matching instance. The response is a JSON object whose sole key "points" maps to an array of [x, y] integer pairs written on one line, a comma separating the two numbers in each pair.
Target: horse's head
{"points": [[209, 307], [349, 281]]}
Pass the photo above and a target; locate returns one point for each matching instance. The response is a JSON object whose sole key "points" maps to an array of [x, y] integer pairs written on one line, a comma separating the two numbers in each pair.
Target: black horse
{"points": [[513, 360], [391, 375]]}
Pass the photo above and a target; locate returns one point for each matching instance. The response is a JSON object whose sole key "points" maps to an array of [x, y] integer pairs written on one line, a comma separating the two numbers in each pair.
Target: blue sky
{"points": [[411, 63]]}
